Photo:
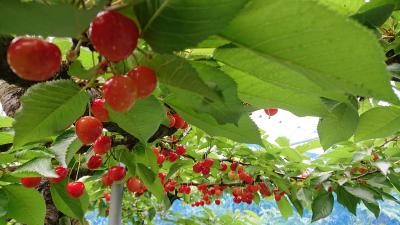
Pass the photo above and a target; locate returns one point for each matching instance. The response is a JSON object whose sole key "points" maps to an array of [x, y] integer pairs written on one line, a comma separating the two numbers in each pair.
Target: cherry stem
{"points": [[79, 165]]}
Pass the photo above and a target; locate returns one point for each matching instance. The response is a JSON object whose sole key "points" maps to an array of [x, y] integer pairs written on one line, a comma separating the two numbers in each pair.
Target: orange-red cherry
{"points": [[145, 79], [33, 58], [88, 129], [271, 111], [102, 145], [30, 182], [75, 189], [94, 162], [113, 35], [98, 110], [62, 173], [117, 173], [134, 184], [120, 93]]}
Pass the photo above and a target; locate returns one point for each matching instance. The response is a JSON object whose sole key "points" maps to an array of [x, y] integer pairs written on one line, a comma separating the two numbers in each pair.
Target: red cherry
{"points": [[107, 196], [162, 177], [94, 162], [179, 122], [277, 197], [224, 167], [88, 129], [237, 200], [198, 167], [33, 58], [145, 79], [171, 120], [30, 182], [208, 162], [205, 171], [155, 150], [180, 150], [98, 110], [117, 173], [375, 156], [102, 145], [120, 93], [233, 166], [113, 35], [186, 125], [240, 169], [62, 174], [134, 184], [75, 189], [106, 179], [271, 111], [160, 159], [172, 157]]}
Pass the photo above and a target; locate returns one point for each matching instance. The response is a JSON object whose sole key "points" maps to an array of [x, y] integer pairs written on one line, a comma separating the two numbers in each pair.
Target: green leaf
{"points": [[176, 166], [149, 179], [284, 207], [6, 138], [47, 109], [345, 7], [3, 203], [142, 120], [36, 167], [76, 69], [361, 192], [378, 122], [337, 126], [374, 208], [395, 180], [347, 200], [65, 146], [322, 206], [227, 110], [6, 121], [177, 72], [176, 24], [73, 207], [327, 62], [26, 205], [21, 18], [263, 85], [375, 13], [245, 132]]}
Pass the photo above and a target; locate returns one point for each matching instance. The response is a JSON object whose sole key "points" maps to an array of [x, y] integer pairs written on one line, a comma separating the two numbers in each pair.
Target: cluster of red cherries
{"points": [[165, 153]]}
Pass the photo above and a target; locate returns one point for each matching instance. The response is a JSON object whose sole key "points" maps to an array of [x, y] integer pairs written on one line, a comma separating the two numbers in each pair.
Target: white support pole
{"points": [[115, 215]]}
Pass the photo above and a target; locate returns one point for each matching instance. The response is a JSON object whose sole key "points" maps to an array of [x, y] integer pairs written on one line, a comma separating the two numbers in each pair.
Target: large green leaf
{"points": [[3, 203], [284, 207], [34, 18], [375, 13], [178, 24], [346, 7], [363, 193], [374, 208], [36, 167], [245, 132], [262, 94], [26, 205], [6, 121], [334, 58], [347, 200], [378, 122], [73, 207], [152, 182], [177, 72], [322, 206], [142, 120], [65, 146], [338, 125], [47, 109]]}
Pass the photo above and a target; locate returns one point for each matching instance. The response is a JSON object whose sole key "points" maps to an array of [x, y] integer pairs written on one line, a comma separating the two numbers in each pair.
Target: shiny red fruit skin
{"points": [[224, 167], [94, 162], [107, 196], [217, 201], [271, 111], [208, 162], [62, 174], [30, 182], [160, 159], [179, 122], [117, 173], [134, 184], [33, 58], [88, 129], [171, 120], [113, 35], [106, 179], [233, 166], [75, 189], [120, 93], [180, 150], [98, 110], [145, 79], [172, 157], [102, 145]]}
